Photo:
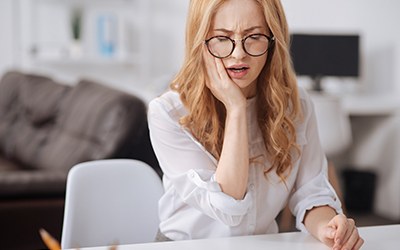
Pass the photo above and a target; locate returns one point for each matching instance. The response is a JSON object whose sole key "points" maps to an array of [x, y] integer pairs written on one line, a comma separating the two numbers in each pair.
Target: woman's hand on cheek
{"points": [[220, 84], [341, 234]]}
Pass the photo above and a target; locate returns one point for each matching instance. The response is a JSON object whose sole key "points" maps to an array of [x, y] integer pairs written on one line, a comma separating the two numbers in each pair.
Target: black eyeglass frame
{"points": [[271, 40]]}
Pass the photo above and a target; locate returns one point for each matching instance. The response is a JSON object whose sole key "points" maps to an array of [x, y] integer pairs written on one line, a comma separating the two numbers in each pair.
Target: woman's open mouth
{"points": [[238, 72]]}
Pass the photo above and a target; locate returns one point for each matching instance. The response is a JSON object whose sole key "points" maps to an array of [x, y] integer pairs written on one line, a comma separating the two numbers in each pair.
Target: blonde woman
{"points": [[236, 139]]}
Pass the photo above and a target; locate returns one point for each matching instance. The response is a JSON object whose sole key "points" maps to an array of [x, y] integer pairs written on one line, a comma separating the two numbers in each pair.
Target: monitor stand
{"points": [[317, 83]]}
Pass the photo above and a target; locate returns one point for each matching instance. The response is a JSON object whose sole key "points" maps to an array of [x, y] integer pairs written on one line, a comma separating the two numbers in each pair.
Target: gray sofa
{"points": [[46, 128]]}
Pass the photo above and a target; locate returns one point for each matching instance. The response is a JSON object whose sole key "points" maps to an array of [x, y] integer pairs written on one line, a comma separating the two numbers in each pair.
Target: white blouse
{"points": [[193, 205]]}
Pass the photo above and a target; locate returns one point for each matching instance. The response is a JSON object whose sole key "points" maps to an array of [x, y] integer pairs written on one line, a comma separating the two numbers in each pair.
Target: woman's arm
{"points": [[314, 202], [316, 219], [233, 165]]}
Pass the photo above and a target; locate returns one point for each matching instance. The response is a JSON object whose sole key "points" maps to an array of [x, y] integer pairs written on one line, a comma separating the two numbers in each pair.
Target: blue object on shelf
{"points": [[107, 34]]}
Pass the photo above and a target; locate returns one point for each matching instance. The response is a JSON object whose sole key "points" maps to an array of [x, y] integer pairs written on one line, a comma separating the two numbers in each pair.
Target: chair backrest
{"points": [[111, 202], [333, 123]]}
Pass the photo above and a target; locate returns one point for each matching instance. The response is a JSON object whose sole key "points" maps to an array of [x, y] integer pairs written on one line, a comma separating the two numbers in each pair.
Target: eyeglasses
{"points": [[253, 45]]}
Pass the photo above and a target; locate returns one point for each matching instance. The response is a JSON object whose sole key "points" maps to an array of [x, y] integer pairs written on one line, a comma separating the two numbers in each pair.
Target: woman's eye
{"points": [[222, 38], [255, 37]]}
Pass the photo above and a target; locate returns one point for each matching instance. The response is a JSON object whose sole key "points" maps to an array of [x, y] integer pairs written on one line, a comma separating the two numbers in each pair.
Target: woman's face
{"points": [[238, 19]]}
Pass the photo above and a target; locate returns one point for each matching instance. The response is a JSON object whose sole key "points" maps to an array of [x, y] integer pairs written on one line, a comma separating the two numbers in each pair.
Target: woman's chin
{"points": [[248, 88]]}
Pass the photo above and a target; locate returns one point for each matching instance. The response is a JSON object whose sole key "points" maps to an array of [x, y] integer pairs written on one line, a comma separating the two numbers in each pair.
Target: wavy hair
{"points": [[278, 105]]}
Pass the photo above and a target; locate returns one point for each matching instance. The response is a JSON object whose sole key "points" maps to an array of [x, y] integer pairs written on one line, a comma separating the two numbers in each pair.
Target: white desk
{"points": [[379, 237], [371, 104]]}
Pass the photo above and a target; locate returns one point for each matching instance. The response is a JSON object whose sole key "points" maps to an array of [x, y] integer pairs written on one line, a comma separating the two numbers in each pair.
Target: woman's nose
{"points": [[238, 51]]}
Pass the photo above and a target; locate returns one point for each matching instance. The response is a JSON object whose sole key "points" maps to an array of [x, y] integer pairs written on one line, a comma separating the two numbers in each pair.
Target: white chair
{"points": [[111, 202], [333, 123]]}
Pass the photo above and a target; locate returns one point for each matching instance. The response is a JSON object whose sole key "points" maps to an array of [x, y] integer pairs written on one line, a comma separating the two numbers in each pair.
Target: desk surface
{"points": [[371, 104], [378, 237]]}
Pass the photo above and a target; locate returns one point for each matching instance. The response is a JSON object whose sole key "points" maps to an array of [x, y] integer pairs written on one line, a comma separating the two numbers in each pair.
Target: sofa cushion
{"points": [[94, 122], [28, 142], [9, 88], [41, 98], [9, 107], [28, 106]]}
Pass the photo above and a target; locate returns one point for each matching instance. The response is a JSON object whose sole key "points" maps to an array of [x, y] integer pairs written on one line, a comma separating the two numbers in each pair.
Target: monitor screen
{"points": [[319, 55]]}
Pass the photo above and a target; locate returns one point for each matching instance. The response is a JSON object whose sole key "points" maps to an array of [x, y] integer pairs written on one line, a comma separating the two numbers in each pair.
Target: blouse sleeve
{"points": [[189, 168], [312, 188]]}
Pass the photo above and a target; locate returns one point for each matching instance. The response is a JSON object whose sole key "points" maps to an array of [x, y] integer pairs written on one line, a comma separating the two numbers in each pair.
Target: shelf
{"points": [[136, 33], [108, 29], [85, 61]]}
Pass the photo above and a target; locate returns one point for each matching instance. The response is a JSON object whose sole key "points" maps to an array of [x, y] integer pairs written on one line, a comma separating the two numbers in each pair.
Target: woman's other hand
{"points": [[341, 234]]}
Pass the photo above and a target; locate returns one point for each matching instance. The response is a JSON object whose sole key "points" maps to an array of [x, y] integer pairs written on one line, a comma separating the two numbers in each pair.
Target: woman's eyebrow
{"points": [[223, 30], [253, 28], [245, 31]]}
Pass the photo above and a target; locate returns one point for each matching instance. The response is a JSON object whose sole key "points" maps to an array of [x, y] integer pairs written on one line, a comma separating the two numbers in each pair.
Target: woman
{"points": [[234, 136]]}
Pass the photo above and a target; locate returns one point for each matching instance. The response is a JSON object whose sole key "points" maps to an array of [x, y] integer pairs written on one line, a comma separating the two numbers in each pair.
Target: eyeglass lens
{"points": [[222, 46]]}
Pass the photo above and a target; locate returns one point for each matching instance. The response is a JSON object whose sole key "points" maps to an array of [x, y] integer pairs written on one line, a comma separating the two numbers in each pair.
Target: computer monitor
{"points": [[319, 55]]}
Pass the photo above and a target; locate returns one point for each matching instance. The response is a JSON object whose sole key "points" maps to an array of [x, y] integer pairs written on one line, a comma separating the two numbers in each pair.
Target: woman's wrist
{"points": [[316, 220], [236, 110]]}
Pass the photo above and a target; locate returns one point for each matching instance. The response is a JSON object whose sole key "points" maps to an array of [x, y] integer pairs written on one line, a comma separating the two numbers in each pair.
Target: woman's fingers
{"points": [[221, 70], [210, 66], [340, 223], [350, 225], [353, 239], [217, 70], [346, 234], [359, 243], [328, 236]]}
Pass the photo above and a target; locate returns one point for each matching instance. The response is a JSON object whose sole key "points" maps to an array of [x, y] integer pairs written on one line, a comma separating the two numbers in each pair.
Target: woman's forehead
{"points": [[238, 15]]}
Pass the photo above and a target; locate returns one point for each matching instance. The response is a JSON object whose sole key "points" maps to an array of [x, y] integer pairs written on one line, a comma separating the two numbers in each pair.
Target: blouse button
{"points": [[251, 186]]}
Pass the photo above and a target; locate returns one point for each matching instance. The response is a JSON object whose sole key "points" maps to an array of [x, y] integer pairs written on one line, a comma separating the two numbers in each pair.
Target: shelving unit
{"points": [[47, 36], [148, 36]]}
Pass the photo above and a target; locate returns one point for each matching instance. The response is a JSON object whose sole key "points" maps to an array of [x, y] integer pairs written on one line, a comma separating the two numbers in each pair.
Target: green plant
{"points": [[76, 23]]}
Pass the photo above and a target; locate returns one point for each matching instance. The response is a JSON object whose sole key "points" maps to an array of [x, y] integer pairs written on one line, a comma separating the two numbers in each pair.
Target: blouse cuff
{"points": [[318, 192], [218, 199]]}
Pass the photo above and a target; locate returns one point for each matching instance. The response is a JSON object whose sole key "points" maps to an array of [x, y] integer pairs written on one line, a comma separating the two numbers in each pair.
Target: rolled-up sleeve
{"points": [[189, 168], [312, 188]]}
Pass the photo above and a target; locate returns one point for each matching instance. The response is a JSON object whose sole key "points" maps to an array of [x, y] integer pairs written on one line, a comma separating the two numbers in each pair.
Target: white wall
{"points": [[7, 41], [375, 20]]}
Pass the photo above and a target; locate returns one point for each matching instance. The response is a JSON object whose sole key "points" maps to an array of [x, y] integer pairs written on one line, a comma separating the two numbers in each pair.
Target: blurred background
{"points": [[137, 46]]}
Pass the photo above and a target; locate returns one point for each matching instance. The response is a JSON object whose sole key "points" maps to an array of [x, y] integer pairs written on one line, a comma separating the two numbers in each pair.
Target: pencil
{"points": [[49, 241]]}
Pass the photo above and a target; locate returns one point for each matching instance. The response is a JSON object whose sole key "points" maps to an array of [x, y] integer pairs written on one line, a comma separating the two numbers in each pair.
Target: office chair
{"points": [[111, 202], [333, 123]]}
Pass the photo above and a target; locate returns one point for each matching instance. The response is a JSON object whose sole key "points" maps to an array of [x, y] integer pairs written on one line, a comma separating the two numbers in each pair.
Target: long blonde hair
{"points": [[278, 106]]}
